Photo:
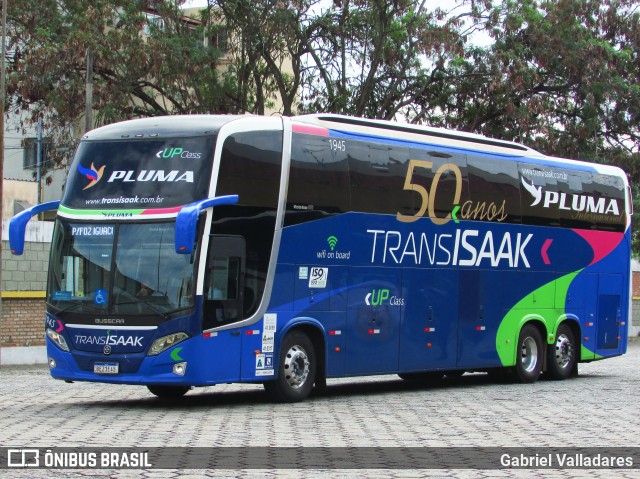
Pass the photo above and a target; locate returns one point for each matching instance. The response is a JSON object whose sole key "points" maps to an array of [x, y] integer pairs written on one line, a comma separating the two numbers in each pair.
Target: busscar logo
{"points": [[92, 174], [572, 202]]}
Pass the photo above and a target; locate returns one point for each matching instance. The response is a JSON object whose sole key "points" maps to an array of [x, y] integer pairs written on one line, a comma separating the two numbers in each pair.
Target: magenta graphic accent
{"points": [[602, 242], [309, 129], [161, 211], [544, 252]]}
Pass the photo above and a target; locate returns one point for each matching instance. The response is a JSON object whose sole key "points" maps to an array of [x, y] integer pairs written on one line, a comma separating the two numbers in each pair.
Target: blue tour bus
{"points": [[196, 250]]}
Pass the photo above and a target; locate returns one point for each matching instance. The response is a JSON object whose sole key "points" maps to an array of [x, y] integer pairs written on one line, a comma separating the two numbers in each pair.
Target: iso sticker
{"points": [[318, 277]]}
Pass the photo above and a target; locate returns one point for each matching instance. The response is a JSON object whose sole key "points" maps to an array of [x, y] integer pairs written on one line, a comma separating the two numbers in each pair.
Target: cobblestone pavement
{"points": [[599, 408]]}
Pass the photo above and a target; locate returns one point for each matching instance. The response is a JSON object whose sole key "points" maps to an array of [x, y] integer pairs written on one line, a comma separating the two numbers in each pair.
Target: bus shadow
{"points": [[257, 396]]}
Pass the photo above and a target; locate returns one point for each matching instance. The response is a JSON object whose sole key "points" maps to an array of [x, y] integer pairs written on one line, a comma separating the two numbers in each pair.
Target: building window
{"points": [[217, 39], [155, 23], [30, 153]]}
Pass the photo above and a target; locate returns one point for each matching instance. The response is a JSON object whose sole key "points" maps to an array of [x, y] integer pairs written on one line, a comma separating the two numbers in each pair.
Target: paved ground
{"points": [[599, 408]]}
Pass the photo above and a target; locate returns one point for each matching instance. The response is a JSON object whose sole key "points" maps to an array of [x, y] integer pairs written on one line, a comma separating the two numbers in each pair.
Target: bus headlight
{"points": [[165, 342], [57, 339]]}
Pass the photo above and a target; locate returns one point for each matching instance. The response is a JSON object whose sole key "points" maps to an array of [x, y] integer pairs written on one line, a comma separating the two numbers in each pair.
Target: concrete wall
{"points": [[17, 191], [24, 280], [27, 272]]}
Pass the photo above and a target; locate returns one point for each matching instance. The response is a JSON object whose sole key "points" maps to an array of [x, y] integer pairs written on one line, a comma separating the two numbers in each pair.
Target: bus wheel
{"points": [[530, 351], [297, 369], [562, 355], [169, 392]]}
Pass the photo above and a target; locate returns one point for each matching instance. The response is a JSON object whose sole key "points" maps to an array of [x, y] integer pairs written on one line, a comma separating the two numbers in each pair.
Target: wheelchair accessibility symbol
{"points": [[100, 297]]}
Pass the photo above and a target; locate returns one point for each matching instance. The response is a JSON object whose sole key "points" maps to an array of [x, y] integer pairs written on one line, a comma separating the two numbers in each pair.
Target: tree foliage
{"points": [[146, 62], [560, 76], [372, 58]]}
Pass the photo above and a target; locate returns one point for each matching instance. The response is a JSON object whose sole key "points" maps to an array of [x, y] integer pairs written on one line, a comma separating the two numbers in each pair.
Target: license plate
{"points": [[106, 368]]}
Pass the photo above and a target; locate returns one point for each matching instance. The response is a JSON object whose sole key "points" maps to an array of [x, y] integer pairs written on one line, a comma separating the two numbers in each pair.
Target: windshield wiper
{"points": [[145, 302], [77, 305], [154, 308]]}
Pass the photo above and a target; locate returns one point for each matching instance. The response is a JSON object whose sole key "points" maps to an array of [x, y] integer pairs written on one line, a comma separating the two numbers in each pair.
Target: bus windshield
{"points": [[124, 269]]}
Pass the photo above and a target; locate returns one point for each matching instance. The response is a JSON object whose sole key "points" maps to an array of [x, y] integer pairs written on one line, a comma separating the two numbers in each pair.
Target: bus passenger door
{"points": [[373, 321], [224, 281], [428, 337], [223, 299]]}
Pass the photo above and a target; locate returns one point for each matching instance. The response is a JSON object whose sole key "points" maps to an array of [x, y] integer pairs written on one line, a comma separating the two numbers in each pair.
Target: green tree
{"points": [[561, 76], [264, 47], [146, 62], [375, 57]]}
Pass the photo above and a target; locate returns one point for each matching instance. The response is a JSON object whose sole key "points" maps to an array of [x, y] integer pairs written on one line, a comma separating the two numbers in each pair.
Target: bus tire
{"points": [[169, 392], [297, 369], [562, 355], [529, 357]]}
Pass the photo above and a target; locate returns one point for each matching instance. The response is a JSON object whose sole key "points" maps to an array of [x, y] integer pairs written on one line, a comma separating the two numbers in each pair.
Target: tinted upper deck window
{"points": [[494, 191], [318, 179]]}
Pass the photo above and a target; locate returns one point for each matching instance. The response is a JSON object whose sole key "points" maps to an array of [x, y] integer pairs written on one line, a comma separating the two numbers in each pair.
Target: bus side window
{"points": [[606, 204], [535, 182], [250, 167], [377, 174], [318, 179], [223, 278], [494, 187]]}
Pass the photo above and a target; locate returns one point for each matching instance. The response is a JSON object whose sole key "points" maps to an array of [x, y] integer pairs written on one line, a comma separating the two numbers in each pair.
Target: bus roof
{"points": [[162, 126], [447, 138], [204, 125], [419, 133]]}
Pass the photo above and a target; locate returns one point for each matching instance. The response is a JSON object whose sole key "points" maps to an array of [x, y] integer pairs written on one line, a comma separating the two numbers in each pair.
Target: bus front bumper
{"points": [[185, 364]]}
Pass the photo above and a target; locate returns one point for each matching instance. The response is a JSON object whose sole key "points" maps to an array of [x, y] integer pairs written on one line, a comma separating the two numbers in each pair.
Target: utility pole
{"points": [[88, 106], [3, 72], [39, 161]]}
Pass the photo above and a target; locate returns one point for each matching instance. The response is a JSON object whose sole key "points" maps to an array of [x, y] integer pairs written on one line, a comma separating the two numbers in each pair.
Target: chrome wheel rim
{"points": [[296, 366], [564, 351], [529, 354]]}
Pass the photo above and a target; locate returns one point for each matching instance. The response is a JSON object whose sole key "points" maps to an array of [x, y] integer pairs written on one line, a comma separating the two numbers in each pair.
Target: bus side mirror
{"points": [[18, 224], [188, 218]]}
